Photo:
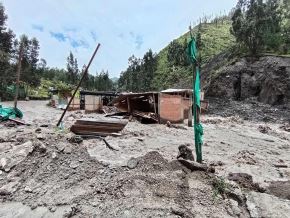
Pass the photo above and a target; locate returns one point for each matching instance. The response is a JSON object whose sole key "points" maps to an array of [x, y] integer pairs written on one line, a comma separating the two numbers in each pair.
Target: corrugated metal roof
{"points": [[177, 90]]}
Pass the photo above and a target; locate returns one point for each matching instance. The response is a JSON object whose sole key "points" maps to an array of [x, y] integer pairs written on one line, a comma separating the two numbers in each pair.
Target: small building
{"points": [[174, 105], [93, 101]]}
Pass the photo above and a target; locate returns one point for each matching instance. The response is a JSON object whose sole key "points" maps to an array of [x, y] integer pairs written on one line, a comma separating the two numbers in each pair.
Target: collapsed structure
{"points": [[173, 105]]}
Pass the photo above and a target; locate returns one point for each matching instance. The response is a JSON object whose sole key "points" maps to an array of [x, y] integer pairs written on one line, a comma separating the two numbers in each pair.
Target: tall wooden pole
{"points": [[18, 75], [83, 76]]}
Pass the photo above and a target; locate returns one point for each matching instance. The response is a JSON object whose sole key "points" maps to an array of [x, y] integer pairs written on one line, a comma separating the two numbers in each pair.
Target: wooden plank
{"points": [[106, 122], [95, 128]]}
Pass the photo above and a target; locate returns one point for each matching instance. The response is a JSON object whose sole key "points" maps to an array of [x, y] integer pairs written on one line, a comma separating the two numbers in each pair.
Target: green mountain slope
{"points": [[215, 37]]}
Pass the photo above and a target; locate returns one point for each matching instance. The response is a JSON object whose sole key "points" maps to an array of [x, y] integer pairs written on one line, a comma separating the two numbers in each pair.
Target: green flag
{"points": [[198, 129]]}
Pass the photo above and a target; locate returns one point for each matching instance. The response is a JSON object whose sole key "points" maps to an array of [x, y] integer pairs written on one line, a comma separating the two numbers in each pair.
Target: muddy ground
{"points": [[43, 174]]}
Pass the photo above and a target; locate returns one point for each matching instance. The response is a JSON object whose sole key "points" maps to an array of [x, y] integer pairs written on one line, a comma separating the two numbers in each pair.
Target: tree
{"points": [[30, 57], [286, 24], [256, 24], [103, 82], [148, 68], [72, 68], [175, 53], [6, 52], [34, 53]]}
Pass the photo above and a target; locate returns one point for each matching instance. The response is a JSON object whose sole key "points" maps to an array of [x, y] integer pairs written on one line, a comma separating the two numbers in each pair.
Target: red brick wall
{"points": [[171, 108]]}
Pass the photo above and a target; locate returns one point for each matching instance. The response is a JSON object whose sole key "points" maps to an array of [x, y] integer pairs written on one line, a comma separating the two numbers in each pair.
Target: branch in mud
{"points": [[194, 166]]}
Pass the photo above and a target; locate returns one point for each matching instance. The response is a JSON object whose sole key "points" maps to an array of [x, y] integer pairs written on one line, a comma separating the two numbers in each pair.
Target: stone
{"points": [[3, 163], [74, 165], [28, 189], [40, 136], [42, 147], [9, 188], [132, 163], [235, 207], [53, 155], [4, 192], [67, 149], [185, 152], [76, 139], [178, 211], [38, 130], [52, 209], [60, 146]]}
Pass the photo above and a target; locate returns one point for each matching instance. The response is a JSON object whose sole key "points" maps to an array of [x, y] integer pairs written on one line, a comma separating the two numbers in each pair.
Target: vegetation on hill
{"points": [[214, 37]]}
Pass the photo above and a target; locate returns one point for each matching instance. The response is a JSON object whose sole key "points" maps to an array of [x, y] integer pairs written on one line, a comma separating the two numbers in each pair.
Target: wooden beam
{"points": [[83, 77]]}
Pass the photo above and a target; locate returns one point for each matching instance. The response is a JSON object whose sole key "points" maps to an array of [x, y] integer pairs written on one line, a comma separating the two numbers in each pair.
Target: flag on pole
{"points": [[198, 129]]}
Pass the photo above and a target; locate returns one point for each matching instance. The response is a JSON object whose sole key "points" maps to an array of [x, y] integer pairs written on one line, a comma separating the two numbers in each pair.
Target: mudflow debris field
{"points": [[45, 173]]}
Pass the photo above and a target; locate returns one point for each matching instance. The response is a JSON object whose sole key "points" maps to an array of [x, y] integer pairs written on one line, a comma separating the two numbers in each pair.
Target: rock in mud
{"points": [[72, 212], [178, 211], [264, 129], [28, 189], [60, 146], [40, 146], [76, 139], [280, 189], [185, 152], [265, 205], [246, 181], [132, 163], [3, 163], [9, 188], [40, 136], [74, 165], [53, 155], [16, 155], [38, 130], [235, 207], [52, 209], [68, 149]]}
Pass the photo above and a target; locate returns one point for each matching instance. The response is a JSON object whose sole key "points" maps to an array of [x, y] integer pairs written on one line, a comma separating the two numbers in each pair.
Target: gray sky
{"points": [[123, 27]]}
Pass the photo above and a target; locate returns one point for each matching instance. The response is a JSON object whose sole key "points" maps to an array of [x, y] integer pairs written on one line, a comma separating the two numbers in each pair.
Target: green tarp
{"points": [[198, 129], [9, 112]]}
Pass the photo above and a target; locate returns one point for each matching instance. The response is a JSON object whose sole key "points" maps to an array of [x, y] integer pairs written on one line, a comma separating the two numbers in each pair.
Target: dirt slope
{"points": [[267, 78]]}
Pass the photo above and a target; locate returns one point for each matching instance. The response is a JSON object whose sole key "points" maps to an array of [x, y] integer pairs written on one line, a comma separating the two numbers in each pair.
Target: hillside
{"points": [[215, 37]]}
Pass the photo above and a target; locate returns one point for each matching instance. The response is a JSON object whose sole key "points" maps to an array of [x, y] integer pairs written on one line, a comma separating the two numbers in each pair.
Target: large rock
{"points": [[265, 205], [15, 155]]}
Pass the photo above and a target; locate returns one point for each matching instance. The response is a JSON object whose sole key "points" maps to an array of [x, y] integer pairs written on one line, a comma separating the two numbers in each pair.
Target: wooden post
{"points": [[190, 111], [83, 77], [129, 105], [18, 76], [155, 111]]}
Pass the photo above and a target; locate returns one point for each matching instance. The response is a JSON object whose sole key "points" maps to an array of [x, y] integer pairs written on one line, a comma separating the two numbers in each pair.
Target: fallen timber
{"points": [[98, 127]]}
